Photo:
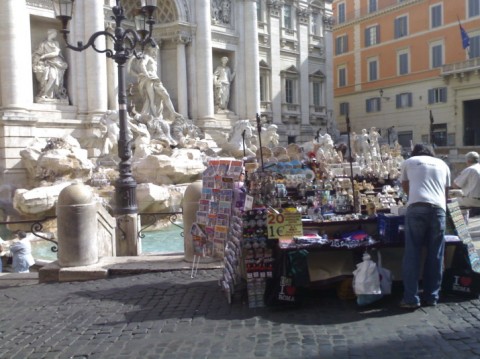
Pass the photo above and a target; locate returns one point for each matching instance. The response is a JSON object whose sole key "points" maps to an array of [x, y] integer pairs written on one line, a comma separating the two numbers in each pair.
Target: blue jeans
{"points": [[424, 228]]}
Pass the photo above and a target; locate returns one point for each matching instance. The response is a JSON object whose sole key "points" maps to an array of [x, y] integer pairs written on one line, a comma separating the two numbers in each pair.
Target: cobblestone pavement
{"points": [[169, 315]]}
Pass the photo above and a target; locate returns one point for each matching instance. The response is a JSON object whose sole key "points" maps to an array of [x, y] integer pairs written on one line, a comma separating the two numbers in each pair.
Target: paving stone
{"points": [[165, 315]]}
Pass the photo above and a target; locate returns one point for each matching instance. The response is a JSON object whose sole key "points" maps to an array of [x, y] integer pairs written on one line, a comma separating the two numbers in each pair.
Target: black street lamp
{"points": [[125, 42]]}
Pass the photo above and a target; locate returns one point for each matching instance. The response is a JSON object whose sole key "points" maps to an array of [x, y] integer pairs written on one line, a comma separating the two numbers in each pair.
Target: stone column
{"points": [[96, 63], [252, 75], [77, 88], [182, 90], [304, 95], [203, 57], [112, 79], [275, 11], [16, 56]]}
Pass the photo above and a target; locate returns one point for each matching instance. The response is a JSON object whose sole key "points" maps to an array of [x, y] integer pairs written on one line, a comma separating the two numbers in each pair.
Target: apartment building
{"points": [[405, 67]]}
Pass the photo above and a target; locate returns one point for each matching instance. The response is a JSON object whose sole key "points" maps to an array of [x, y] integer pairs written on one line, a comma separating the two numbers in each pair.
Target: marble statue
{"points": [[186, 133], [363, 145], [151, 89], [49, 67], [158, 128], [269, 136], [220, 10], [373, 137], [326, 149], [110, 133], [143, 144], [222, 78], [240, 142]]}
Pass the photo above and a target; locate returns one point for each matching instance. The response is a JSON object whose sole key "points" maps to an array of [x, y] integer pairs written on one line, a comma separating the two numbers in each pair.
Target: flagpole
{"points": [[465, 39]]}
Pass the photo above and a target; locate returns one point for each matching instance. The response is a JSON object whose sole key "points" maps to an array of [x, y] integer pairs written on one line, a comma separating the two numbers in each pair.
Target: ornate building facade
{"points": [[278, 53]]}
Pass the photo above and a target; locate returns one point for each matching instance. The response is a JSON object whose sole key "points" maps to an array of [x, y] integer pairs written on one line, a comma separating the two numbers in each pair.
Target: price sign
{"points": [[287, 224]]}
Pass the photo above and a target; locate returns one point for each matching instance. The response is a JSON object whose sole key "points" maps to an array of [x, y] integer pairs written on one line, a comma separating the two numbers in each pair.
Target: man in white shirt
{"points": [[469, 182], [425, 179]]}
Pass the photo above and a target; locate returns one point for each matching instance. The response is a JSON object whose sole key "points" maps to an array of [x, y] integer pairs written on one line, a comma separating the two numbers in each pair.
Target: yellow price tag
{"points": [[286, 224]]}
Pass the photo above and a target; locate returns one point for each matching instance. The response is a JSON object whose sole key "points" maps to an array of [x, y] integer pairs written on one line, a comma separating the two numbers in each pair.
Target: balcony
{"points": [[290, 108], [461, 69]]}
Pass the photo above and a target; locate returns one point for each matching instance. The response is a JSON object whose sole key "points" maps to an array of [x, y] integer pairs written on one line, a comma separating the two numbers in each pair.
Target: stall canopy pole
{"points": [[259, 130], [350, 159]]}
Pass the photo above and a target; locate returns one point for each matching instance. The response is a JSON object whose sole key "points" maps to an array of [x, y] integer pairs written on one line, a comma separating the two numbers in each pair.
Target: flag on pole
{"points": [[464, 35]]}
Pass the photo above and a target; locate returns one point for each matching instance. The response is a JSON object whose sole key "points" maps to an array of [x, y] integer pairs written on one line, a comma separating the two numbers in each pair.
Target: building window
{"points": [[372, 6], [372, 35], [290, 139], [341, 13], [342, 77], [436, 55], [404, 100], [437, 95], [439, 134], [259, 10], [474, 49], [436, 15], [373, 70], [288, 90], [373, 104], [263, 88], [405, 138], [403, 63], [317, 94], [265, 75], [341, 44], [344, 108], [401, 26], [473, 8], [287, 16]]}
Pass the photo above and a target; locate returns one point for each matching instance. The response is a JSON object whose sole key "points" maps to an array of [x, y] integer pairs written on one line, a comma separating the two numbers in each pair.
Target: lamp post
{"points": [[125, 42]]}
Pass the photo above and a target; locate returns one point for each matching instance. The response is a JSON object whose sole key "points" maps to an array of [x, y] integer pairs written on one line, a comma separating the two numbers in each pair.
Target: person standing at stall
{"points": [[469, 182], [425, 179]]}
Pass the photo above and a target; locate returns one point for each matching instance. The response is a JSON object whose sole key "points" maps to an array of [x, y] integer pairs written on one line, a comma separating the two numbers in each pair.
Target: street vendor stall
{"points": [[303, 217]]}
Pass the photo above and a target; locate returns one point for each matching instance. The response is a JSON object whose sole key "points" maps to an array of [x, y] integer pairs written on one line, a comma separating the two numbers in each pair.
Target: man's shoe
{"points": [[410, 306], [430, 303]]}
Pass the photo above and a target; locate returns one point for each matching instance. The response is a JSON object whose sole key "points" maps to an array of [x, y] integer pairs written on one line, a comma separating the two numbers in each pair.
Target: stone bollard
{"points": [[190, 207], [77, 226]]}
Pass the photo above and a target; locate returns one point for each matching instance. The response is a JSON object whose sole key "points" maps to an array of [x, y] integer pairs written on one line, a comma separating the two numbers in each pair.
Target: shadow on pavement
{"points": [[184, 298]]}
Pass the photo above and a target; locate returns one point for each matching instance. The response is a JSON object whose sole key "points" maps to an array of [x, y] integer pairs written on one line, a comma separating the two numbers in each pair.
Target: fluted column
{"points": [[77, 84], [112, 79], [182, 91], [252, 57], [96, 63], [275, 11], [16, 55], [302, 18], [203, 58]]}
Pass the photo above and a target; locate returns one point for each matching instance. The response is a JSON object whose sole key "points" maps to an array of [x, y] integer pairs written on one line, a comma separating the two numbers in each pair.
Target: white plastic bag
{"points": [[366, 279]]}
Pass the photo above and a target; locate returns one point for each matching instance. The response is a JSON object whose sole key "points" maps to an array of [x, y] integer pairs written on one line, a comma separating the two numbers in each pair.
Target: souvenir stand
{"points": [[217, 230], [299, 218], [463, 277]]}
